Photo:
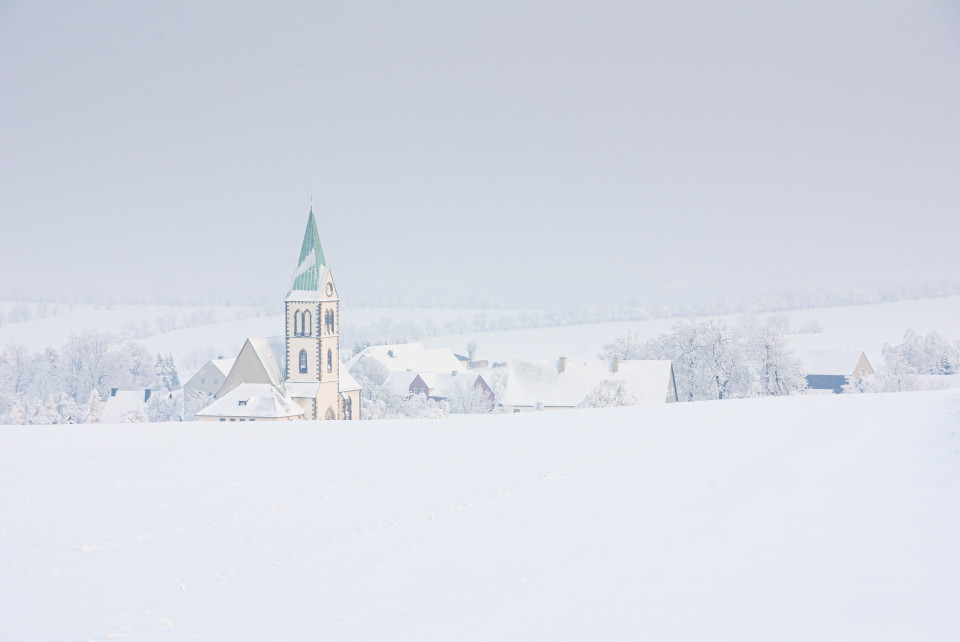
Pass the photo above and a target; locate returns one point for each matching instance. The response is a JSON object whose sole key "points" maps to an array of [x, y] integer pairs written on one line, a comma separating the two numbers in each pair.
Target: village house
{"points": [[829, 370], [565, 383], [205, 384]]}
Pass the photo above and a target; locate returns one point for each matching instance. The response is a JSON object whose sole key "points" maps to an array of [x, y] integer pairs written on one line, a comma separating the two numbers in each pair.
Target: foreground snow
{"points": [[820, 518]]}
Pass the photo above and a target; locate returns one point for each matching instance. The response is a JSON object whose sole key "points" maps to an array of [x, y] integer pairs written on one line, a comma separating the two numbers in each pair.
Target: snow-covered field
{"points": [[801, 518]]}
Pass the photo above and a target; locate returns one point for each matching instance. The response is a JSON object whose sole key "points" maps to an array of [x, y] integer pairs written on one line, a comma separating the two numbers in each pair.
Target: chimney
{"points": [[562, 365], [146, 394], [615, 366]]}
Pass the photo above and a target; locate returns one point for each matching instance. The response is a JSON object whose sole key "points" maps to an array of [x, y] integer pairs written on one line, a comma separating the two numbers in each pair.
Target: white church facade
{"points": [[299, 376]]}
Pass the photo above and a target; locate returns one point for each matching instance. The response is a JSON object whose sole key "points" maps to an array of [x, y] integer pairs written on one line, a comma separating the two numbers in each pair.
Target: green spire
{"points": [[307, 276]]}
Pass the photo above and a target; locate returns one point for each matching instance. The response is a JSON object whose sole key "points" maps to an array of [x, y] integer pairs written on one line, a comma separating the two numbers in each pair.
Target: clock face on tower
{"points": [[329, 289]]}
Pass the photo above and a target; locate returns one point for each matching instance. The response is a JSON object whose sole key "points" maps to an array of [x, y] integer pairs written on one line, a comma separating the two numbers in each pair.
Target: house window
{"points": [[303, 362], [223, 419], [329, 360], [242, 419], [307, 324], [232, 419], [242, 402], [328, 322], [297, 322], [348, 408]]}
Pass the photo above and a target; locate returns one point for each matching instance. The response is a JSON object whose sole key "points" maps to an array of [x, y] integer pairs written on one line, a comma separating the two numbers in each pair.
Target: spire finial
{"points": [[311, 202]]}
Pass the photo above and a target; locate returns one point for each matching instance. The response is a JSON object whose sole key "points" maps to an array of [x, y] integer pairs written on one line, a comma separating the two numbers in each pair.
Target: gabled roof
{"points": [[532, 382], [223, 365], [414, 357], [256, 400], [120, 403], [347, 382], [311, 267], [441, 383], [831, 362], [261, 360]]}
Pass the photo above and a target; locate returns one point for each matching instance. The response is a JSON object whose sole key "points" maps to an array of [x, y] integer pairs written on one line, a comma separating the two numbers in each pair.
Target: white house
{"points": [[829, 370], [203, 386], [565, 383], [122, 403]]}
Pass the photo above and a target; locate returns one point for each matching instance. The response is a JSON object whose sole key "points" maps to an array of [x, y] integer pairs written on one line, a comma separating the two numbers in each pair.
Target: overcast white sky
{"points": [[521, 153]]}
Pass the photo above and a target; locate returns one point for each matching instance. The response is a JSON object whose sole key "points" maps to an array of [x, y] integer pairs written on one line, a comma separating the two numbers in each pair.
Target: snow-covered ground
{"points": [[803, 518]]}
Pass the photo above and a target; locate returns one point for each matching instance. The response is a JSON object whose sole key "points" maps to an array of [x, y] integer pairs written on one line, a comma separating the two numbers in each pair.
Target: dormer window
{"points": [[242, 402]]}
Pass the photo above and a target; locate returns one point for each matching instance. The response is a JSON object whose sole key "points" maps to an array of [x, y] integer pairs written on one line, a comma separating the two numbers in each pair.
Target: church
{"points": [[299, 376]]}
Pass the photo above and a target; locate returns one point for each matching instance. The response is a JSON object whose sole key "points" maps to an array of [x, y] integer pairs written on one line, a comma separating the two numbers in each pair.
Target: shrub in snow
{"points": [[608, 394], [135, 417]]}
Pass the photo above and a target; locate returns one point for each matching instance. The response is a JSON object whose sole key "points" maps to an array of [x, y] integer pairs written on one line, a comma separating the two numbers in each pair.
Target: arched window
{"points": [[303, 362], [329, 360], [296, 323], [307, 324], [348, 408], [330, 413]]}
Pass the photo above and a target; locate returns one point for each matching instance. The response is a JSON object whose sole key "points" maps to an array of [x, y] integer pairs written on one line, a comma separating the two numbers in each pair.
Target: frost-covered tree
{"points": [[626, 346], [67, 410], [896, 375], [779, 372], [93, 410], [163, 406], [17, 414], [465, 398], [610, 393]]}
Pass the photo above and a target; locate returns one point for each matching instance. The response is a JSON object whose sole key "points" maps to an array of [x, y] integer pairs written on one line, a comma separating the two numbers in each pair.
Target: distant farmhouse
{"points": [[829, 370], [298, 376], [431, 372], [565, 384], [412, 357], [205, 384]]}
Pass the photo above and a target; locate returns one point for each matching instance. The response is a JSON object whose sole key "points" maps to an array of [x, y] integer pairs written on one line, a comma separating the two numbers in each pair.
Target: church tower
{"points": [[312, 320]]}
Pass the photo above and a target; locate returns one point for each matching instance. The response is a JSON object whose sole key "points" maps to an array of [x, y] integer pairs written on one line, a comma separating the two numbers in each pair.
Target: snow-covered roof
{"points": [[223, 365], [347, 382], [256, 400], [830, 362], [413, 357], [440, 383], [271, 352], [120, 403], [303, 389], [530, 382]]}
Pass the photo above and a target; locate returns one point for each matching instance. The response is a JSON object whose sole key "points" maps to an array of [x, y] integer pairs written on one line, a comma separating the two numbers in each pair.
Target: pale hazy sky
{"points": [[522, 153]]}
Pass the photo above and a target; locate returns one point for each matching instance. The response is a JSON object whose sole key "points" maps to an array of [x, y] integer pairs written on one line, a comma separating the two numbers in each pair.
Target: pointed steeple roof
{"points": [[307, 275]]}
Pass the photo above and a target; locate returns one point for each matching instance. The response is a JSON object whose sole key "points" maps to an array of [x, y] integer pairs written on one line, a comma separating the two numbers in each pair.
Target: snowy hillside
{"points": [[800, 518], [859, 327]]}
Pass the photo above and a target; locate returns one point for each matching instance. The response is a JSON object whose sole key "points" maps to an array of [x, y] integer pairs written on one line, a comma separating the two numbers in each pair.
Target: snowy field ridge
{"points": [[796, 518]]}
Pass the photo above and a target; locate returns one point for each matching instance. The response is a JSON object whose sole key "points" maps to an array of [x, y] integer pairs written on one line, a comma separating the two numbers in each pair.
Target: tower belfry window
{"points": [[303, 362], [307, 324]]}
